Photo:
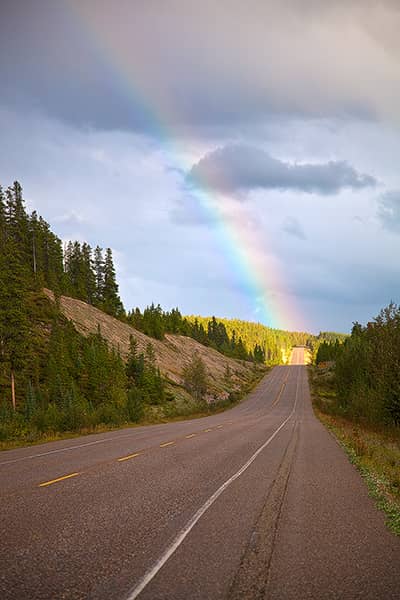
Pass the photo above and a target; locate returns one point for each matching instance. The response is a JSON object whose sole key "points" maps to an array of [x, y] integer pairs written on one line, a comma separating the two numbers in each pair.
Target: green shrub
{"points": [[135, 405]]}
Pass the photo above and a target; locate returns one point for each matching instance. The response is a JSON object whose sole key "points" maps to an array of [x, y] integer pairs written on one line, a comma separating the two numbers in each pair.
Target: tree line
{"points": [[39, 260], [156, 322], [367, 369], [235, 338], [270, 344], [51, 377], [89, 275]]}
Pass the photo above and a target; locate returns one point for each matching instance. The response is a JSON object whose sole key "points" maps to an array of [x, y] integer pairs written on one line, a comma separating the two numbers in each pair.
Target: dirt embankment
{"points": [[172, 354]]}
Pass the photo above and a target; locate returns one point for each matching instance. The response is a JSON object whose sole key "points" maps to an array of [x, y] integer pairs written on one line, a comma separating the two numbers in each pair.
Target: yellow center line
{"points": [[167, 444], [190, 436], [129, 456], [58, 479], [207, 430]]}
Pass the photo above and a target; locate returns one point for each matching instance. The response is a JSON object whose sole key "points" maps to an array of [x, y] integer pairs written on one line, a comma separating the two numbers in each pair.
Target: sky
{"points": [[240, 158]]}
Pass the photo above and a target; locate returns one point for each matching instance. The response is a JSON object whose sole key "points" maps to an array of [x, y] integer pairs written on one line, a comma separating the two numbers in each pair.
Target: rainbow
{"points": [[257, 271]]}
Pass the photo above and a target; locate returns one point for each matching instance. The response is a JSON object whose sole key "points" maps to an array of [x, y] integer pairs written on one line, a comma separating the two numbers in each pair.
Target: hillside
{"points": [[172, 354], [82, 362]]}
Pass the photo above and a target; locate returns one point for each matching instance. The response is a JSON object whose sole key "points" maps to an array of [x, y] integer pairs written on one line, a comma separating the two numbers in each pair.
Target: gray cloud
{"points": [[239, 167], [389, 210], [292, 226], [87, 63]]}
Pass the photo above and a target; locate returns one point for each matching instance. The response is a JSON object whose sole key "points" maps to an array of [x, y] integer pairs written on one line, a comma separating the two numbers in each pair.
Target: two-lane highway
{"points": [[255, 502]]}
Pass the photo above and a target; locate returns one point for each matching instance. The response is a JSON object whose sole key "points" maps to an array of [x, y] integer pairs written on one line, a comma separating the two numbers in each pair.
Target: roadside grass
{"points": [[374, 451], [181, 408]]}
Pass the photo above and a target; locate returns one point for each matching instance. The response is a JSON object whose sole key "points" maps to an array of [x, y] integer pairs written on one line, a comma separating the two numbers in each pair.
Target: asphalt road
{"points": [[257, 502]]}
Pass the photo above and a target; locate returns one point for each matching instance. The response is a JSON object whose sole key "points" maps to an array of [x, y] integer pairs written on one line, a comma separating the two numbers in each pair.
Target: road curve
{"points": [[256, 502]]}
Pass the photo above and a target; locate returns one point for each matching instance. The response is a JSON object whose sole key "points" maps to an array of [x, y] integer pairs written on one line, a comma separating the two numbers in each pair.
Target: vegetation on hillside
{"points": [[52, 378], [367, 370], [273, 343], [156, 322]]}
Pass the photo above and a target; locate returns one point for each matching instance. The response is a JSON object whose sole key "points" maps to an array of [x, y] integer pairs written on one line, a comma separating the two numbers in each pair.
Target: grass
{"points": [[374, 450]]}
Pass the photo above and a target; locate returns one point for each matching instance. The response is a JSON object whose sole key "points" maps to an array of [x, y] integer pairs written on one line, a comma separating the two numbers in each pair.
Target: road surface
{"points": [[256, 502]]}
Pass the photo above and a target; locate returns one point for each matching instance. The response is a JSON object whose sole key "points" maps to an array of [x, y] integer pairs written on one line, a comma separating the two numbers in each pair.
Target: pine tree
{"points": [[135, 366], [89, 276], [135, 404], [76, 272], [3, 223], [99, 275], [15, 281], [111, 301]]}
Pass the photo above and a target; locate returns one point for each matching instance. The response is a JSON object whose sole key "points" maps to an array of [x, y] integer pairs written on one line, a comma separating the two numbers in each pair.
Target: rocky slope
{"points": [[172, 354]]}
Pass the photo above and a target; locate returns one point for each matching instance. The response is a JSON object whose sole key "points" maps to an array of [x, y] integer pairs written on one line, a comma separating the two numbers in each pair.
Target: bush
{"points": [[195, 377], [109, 414], [135, 405], [48, 419], [76, 416]]}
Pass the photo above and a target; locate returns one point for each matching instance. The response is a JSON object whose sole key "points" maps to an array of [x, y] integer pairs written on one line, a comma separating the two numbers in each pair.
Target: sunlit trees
{"points": [[367, 370]]}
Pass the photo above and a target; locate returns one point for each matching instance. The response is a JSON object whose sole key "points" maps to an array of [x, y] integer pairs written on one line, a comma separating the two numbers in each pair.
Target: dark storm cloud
{"points": [[389, 210], [242, 168]]}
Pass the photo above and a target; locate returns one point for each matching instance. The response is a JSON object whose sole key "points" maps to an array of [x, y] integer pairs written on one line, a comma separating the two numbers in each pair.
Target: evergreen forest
{"points": [[51, 377], [367, 369]]}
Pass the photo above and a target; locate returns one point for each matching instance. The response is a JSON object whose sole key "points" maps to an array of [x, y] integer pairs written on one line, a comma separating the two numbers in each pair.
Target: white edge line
{"points": [[67, 449], [151, 573]]}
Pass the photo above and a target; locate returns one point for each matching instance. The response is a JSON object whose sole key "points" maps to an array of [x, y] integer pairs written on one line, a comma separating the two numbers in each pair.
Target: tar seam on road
{"points": [[152, 572], [279, 395], [252, 577], [45, 483]]}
